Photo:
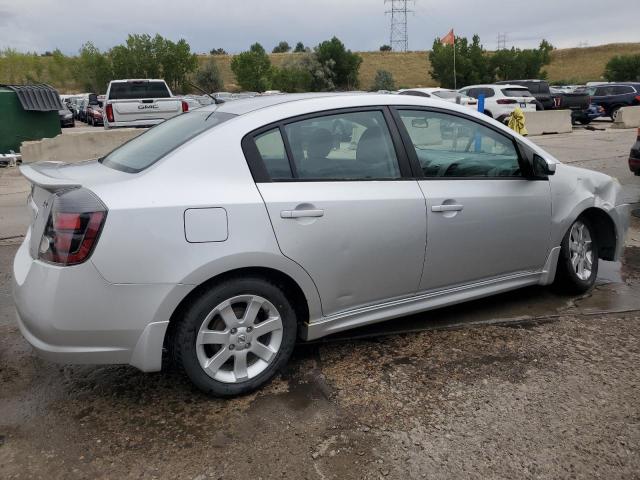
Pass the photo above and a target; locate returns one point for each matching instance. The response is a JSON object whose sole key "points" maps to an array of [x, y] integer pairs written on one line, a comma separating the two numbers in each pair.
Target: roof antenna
{"points": [[217, 101]]}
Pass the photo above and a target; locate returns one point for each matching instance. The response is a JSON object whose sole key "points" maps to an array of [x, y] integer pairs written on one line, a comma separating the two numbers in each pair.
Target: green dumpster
{"points": [[27, 112]]}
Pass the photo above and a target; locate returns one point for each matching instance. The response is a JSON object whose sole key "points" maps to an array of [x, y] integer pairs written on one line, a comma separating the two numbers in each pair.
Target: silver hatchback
{"points": [[225, 234]]}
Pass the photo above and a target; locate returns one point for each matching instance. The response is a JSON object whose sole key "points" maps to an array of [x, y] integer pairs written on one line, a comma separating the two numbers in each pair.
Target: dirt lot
{"points": [[524, 385]]}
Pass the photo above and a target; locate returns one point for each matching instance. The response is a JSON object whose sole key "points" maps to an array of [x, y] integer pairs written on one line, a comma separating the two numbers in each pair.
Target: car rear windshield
{"points": [[447, 94], [516, 92], [146, 149], [141, 89]]}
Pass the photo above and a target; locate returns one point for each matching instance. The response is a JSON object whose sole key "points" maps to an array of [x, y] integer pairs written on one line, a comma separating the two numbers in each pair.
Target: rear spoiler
{"points": [[35, 173]]}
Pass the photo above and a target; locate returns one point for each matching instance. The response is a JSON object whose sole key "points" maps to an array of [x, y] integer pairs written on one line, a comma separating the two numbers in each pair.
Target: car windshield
{"points": [[146, 149], [447, 94], [138, 89], [516, 92]]}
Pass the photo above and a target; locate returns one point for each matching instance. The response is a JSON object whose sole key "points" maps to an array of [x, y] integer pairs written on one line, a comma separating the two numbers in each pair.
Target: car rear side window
{"points": [[146, 149], [273, 154], [451, 146], [344, 146], [622, 89], [138, 89]]}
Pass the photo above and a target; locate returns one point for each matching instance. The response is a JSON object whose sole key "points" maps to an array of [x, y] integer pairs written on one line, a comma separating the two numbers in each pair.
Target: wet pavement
{"points": [[528, 384]]}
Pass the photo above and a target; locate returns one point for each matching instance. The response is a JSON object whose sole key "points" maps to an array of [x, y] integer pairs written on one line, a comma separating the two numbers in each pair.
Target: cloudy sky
{"points": [[40, 25]]}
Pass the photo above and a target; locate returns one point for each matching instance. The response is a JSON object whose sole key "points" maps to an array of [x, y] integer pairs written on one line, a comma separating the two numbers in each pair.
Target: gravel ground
{"points": [[553, 394]]}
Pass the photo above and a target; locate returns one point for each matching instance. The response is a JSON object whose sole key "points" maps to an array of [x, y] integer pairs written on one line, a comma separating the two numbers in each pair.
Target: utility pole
{"points": [[398, 35], [502, 41]]}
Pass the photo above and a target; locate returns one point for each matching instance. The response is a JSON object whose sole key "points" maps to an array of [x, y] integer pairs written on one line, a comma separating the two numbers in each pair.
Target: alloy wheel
{"points": [[239, 338], [581, 250]]}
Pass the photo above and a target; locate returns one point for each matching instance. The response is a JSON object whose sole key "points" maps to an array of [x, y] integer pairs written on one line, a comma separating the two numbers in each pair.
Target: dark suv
{"points": [[539, 89], [613, 96]]}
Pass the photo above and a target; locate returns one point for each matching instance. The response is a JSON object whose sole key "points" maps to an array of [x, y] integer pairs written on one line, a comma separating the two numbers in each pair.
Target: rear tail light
{"points": [[637, 98], [109, 111], [73, 227], [506, 101], [185, 106]]}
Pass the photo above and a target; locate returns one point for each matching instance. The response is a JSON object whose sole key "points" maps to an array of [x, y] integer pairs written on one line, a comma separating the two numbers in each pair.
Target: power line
{"points": [[398, 35]]}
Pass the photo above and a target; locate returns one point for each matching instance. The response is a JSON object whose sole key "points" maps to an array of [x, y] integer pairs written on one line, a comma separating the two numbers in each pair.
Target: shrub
{"points": [[383, 81]]}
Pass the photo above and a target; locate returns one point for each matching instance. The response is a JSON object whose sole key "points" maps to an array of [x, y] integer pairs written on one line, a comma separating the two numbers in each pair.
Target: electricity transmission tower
{"points": [[398, 36], [502, 41]]}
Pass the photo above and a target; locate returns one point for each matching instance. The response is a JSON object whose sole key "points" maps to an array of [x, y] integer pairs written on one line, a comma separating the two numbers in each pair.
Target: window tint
{"points": [[416, 93], [347, 146], [488, 92], [146, 149], [533, 87], [450, 146], [271, 149], [516, 92], [447, 94], [138, 89], [622, 89]]}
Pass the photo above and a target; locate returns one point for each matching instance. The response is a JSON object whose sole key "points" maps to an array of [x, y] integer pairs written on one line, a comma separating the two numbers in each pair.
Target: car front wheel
{"points": [[233, 338], [578, 261]]}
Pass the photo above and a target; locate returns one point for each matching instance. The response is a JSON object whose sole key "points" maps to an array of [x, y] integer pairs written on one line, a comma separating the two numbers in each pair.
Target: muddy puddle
{"points": [[617, 290]]}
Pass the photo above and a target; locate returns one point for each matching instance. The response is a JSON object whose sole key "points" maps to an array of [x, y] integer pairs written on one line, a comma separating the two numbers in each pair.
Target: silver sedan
{"points": [[224, 234]]}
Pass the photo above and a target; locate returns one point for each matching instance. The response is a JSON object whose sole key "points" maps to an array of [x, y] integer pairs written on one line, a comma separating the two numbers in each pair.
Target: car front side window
{"points": [[452, 146]]}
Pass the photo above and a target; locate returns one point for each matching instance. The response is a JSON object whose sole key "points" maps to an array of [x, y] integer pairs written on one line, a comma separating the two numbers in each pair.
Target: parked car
{"points": [[193, 103], [140, 103], [613, 96], [586, 116], [441, 93], [94, 114], [66, 117], [82, 109], [225, 233], [634, 156], [501, 100], [539, 89]]}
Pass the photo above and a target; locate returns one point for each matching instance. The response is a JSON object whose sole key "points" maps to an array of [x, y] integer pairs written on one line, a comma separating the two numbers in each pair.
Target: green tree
{"points": [[385, 48], [252, 69], [93, 69], [383, 81], [343, 63], [177, 63], [623, 68], [299, 48], [218, 51], [282, 47], [208, 77], [516, 64]]}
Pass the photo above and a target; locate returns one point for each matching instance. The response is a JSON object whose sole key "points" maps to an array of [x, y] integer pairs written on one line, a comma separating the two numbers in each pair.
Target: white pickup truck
{"points": [[140, 103]]}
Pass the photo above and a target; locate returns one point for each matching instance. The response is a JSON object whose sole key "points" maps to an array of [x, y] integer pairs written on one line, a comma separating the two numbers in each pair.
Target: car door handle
{"points": [[447, 208], [301, 213]]}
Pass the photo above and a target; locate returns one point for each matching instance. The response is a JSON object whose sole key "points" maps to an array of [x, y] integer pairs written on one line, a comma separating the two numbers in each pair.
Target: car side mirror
{"points": [[542, 167], [419, 123]]}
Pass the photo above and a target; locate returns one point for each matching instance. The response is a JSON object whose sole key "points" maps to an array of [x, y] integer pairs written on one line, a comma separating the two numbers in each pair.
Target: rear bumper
{"points": [[73, 315], [134, 123]]}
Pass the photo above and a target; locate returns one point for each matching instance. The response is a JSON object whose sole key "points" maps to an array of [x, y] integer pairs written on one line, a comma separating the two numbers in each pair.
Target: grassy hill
{"points": [[411, 69]]}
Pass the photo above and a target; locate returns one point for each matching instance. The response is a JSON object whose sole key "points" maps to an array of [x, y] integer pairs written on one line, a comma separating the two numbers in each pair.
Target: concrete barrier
{"points": [[548, 121], [627, 117], [77, 146]]}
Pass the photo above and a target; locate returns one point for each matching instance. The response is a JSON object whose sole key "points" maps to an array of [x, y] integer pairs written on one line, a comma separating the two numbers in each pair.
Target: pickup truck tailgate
{"points": [[161, 108]]}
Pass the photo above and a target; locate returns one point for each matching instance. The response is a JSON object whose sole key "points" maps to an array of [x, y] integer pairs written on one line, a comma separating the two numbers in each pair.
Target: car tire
{"points": [[224, 356], [578, 261], [614, 113]]}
